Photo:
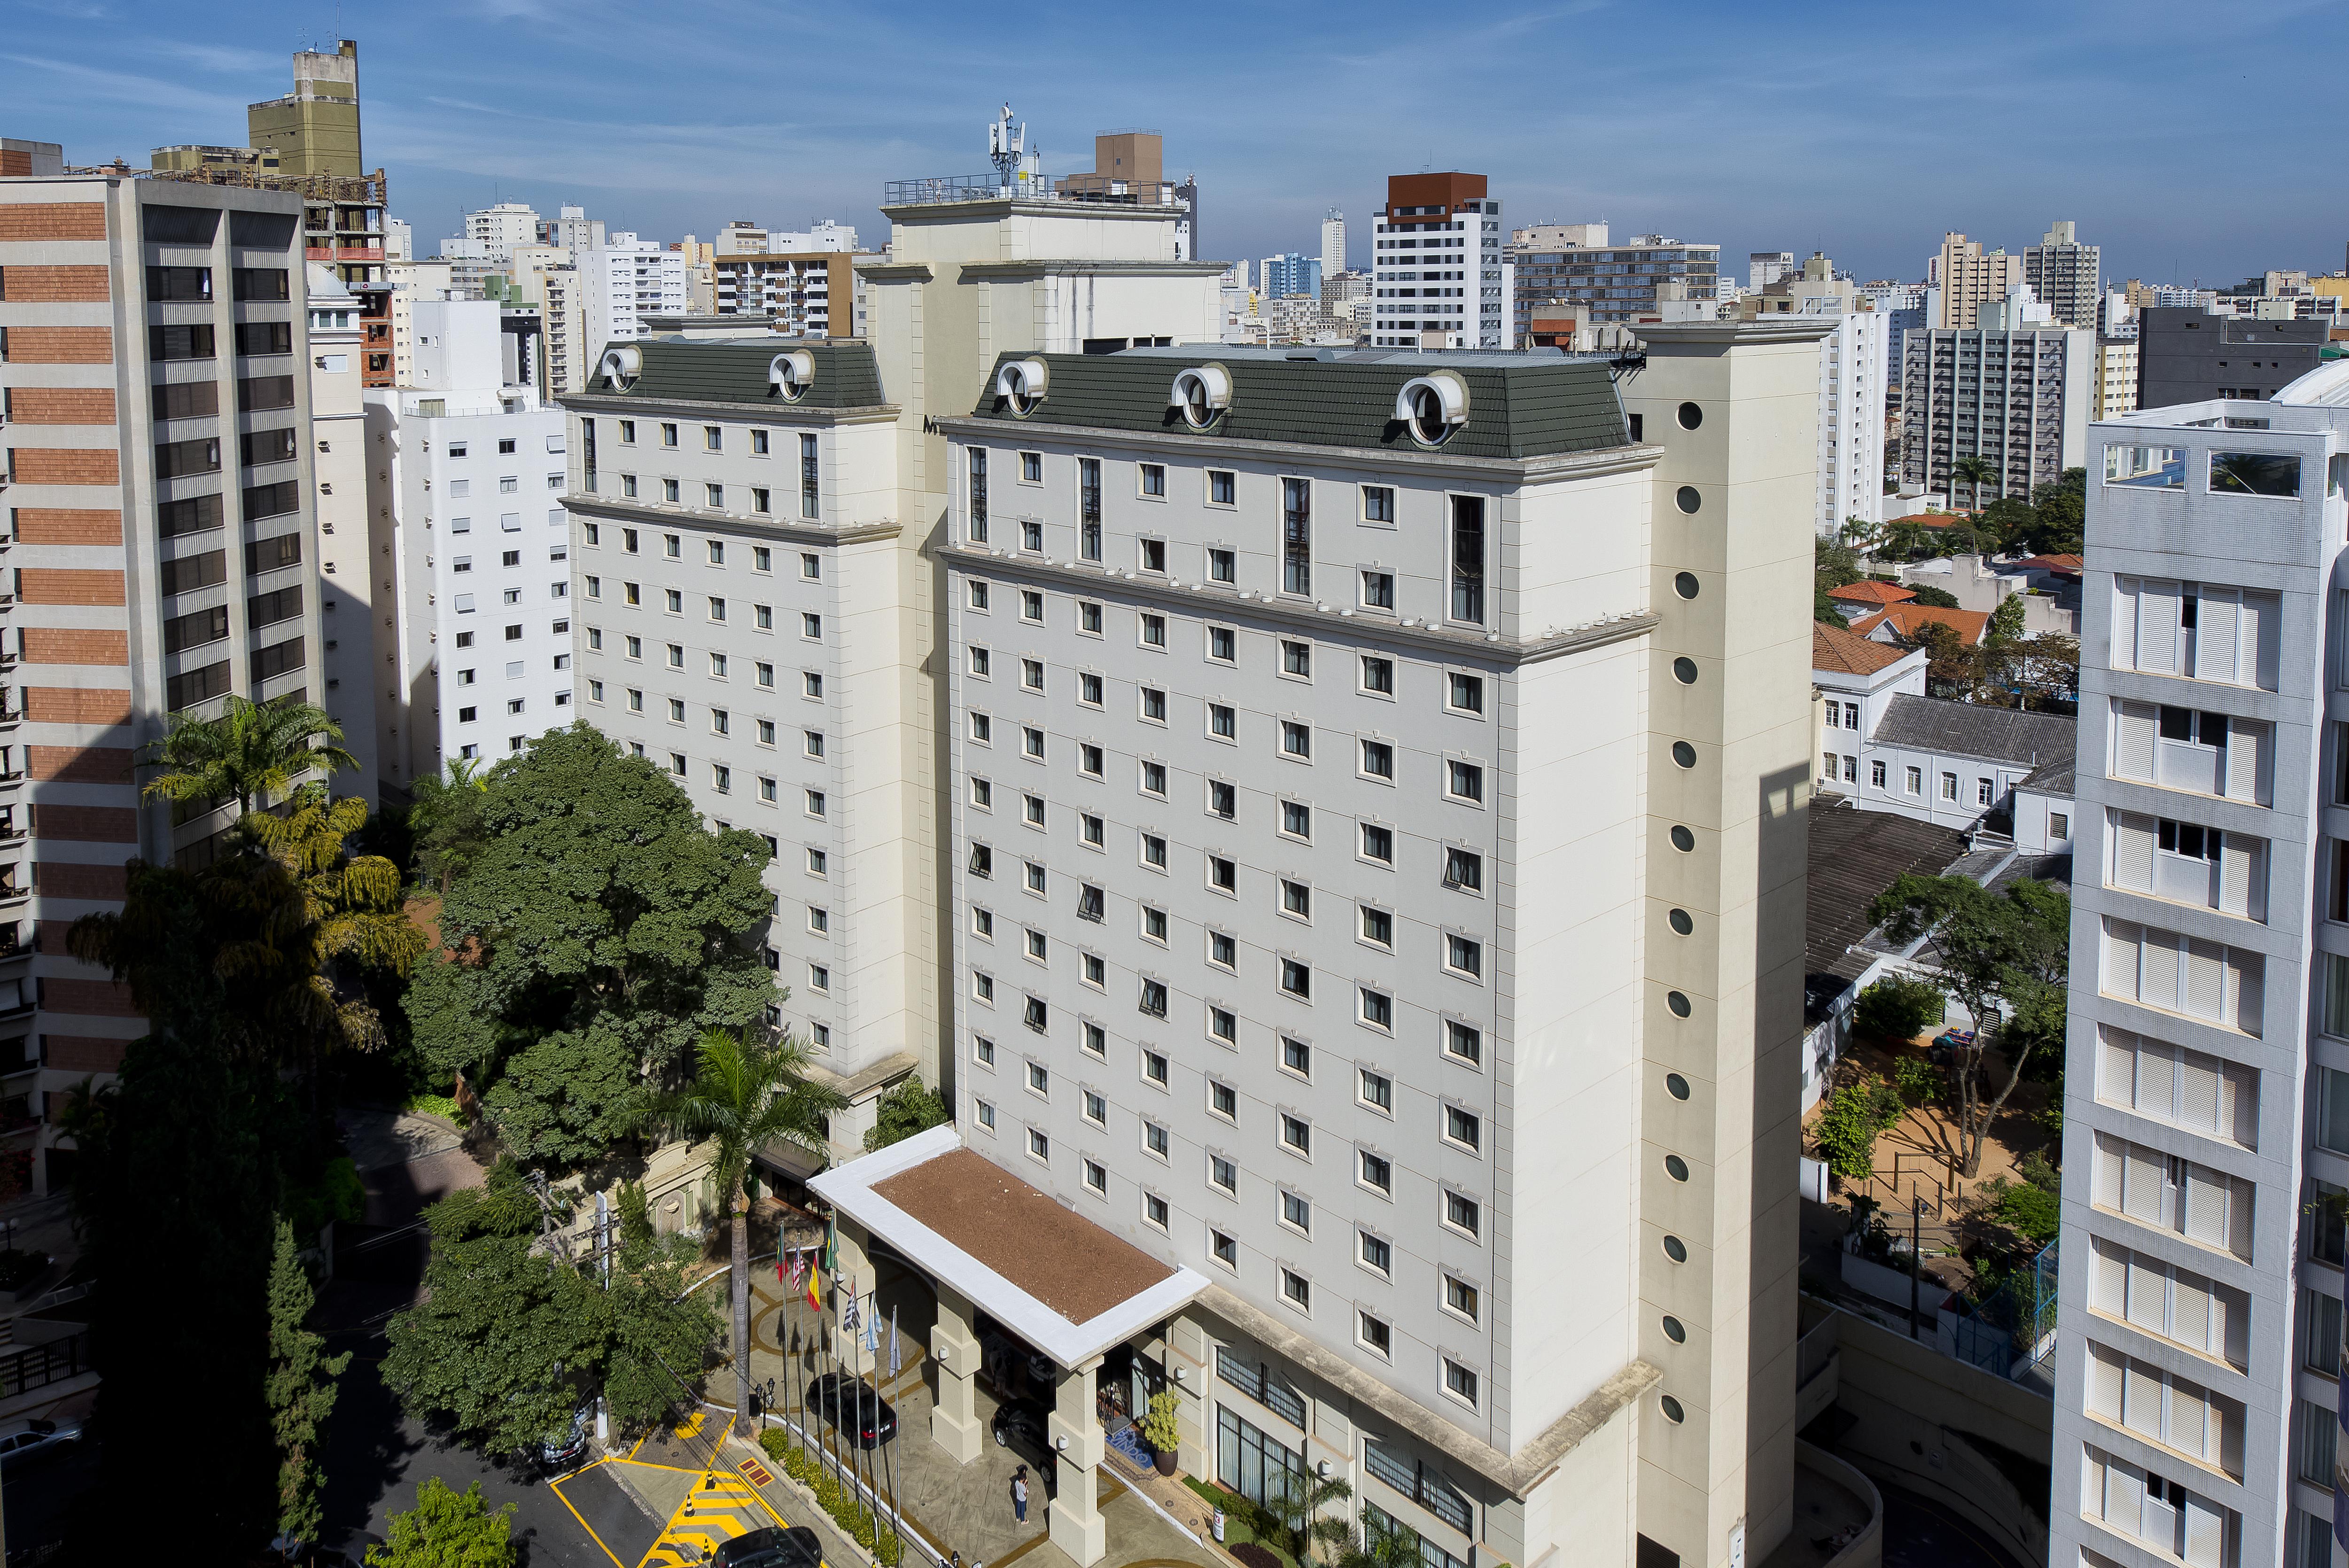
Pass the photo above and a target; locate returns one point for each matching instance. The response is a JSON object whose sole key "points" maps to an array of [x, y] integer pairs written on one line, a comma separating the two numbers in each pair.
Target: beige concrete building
{"points": [[315, 129], [160, 479], [2115, 377], [1970, 278]]}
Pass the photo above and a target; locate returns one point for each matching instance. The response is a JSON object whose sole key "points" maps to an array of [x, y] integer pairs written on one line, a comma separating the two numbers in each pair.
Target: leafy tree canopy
{"points": [[905, 1110], [448, 1528], [1936, 598], [598, 931], [509, 1339]]}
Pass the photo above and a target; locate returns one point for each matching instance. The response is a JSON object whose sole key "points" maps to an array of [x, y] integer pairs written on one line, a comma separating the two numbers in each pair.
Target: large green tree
{"points": [[745, 1095], [510, 1335], [598, 931], [301, 1391], [2005, 955]]}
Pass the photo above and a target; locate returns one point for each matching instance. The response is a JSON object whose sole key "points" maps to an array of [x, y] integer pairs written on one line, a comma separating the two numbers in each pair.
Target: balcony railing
{"points": [[943, 188]]}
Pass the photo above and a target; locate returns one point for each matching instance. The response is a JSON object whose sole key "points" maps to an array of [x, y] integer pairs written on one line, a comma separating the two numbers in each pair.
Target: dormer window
{"points": [[1202, 393]]}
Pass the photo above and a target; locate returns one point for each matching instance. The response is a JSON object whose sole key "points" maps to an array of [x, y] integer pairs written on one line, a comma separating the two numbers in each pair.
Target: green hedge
{"points": [[855, 1520]]}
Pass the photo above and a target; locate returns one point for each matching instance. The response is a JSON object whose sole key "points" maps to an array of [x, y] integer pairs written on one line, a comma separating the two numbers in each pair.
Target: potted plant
{"points": [[1162, 1430]]}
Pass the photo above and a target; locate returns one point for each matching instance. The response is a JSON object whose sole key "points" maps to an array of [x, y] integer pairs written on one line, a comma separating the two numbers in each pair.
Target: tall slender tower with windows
{"points": [[1443, 278]]}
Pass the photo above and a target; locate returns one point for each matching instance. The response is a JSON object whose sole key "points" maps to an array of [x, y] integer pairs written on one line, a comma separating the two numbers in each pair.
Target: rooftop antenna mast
{"points": [[1007, 149]]}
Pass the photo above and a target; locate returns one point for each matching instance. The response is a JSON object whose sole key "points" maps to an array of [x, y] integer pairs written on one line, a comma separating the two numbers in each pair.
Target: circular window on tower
{"points": [[1687, 500], [1689, 416], [1682, 840], [1685, 584]]}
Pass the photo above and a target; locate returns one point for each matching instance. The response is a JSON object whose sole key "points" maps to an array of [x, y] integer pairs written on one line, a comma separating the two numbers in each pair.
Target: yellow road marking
{"points": [[722, 1508], [590, 1529]]}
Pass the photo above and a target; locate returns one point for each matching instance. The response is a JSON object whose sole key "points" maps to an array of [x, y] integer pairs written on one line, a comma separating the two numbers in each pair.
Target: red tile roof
{"points": [[1847, 653], [2068, 565], [1904, 620], [1872, 594]]}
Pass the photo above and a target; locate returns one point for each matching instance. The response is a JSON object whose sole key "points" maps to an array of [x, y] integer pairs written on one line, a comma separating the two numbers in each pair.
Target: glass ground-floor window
{"points": [[1252, 1464]]}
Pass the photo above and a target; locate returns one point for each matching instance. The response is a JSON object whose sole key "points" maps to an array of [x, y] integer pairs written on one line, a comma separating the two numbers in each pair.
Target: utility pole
{"points": [[1916, 1257]]}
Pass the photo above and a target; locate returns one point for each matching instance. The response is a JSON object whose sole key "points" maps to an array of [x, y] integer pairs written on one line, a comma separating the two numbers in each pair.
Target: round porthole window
{"points": [[1676, 1086], [1675, 1167], [1673, 1331], [1685, 584], [1677, 1002], [1689, 416], [1684, 754], [1673, 1411], [1676, 1249], [1682, 840], [1687, 500], [1427, 423], [1684, 671], [1679, 921]]}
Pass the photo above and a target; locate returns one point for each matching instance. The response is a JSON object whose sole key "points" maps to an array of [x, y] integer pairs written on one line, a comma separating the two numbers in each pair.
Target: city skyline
{"points": [[1841, 130]]}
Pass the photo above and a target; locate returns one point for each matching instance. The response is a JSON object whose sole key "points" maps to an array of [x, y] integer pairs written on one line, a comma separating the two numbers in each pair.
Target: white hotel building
{"points": [[2207, 1115], [1150, 738]]}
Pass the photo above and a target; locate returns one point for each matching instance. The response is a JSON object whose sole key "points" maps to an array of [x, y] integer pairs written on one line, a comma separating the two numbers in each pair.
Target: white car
{"points": [[23, 1441]]}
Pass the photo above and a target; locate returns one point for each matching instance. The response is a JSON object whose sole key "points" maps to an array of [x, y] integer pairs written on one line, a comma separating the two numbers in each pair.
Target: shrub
{"points": [[1939, 598], [2030, 1211], [1849, 1126], [1897, 1008], [836, 1501], [1160, 1428], [1919, 1081]]}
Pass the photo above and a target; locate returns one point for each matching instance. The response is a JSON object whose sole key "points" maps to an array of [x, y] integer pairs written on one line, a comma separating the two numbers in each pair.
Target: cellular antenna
{"points": [[1007, 149]]}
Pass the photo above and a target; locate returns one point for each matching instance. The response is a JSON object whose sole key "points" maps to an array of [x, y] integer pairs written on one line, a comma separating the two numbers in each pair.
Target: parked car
{"points": [[1025, 1427], [796, 1547], [1014, 1369], [22, 1442], [835, 1396]]}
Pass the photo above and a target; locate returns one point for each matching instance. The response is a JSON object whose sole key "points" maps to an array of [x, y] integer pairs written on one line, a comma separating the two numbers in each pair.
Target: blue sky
{"points": [[2191, 140]]}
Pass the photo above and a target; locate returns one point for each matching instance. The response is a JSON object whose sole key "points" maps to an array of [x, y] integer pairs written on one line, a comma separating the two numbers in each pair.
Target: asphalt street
{"points": [[377, 1458]]}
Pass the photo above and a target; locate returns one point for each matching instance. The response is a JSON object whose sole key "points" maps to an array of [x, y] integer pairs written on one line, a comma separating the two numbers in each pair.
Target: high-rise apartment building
{"points": [[2021, 400], [2196, 1404], [1334, 243], [1854, 361], [563, 320], [1970, 278], [2066, 275], [1440, 276], [347, 621], [502, 230], [1293, 273], [159, 468], [810, 292], [1616, 283], [469, 471], [1764, 268], [571, 229], [628, 278]]}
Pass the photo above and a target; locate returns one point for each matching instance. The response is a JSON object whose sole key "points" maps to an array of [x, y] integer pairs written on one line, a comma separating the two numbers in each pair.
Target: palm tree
{"points": [[257, 941], [1381, 1542], [1291, 1519], [1976, 470], [743, 1096], [251, 748]]}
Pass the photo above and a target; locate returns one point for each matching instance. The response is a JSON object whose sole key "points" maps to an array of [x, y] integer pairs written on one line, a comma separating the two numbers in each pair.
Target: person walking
{"points": [[1019, 1495]]}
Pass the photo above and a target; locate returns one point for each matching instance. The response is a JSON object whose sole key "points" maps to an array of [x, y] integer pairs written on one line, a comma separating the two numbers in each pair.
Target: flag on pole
{"points": [[815, 1296], [873, 1330], [847, 1310], [897, 1355]]}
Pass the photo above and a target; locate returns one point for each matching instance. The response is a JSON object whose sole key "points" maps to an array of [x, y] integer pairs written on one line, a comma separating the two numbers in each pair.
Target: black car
{"points": [[1025, 1427], [796, 1547], [846, 1403]]}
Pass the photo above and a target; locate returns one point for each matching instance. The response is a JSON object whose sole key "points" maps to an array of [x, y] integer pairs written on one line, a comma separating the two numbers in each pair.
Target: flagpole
{"points": [[864, 1344], [897, 1520]]}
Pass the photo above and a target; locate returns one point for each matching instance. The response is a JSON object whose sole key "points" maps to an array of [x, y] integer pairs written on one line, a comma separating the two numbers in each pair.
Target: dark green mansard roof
{"points": [[1527, 404], [734, 370]]}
